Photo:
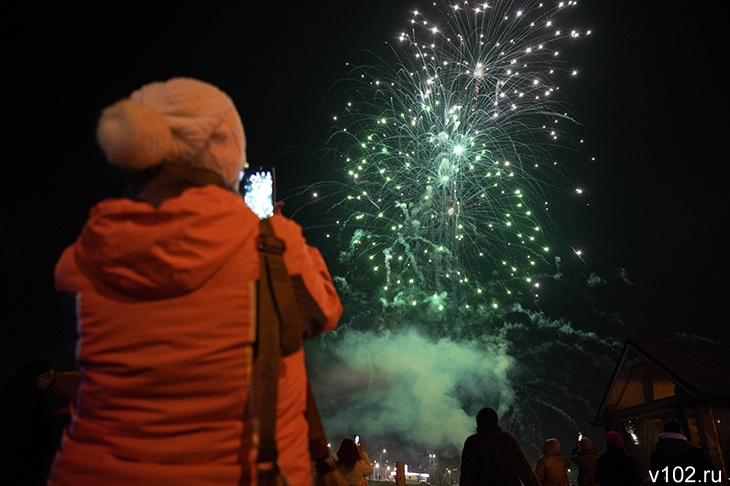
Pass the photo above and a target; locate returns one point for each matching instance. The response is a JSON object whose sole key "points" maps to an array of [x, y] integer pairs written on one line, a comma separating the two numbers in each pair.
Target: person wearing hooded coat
{"points": [[160, 288], [494, 456], [584, 455], [552, 466]]}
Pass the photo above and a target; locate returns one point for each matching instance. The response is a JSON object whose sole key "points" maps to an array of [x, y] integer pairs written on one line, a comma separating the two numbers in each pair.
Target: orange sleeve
{"points": [[307, 262]]}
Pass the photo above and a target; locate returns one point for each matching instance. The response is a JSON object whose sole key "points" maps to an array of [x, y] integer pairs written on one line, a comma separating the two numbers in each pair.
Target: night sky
{"points": [[651, 98]]}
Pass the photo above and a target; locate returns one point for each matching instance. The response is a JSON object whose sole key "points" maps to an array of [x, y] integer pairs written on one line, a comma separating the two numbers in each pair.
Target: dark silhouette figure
{"points": [[494, 456], [585, 455], [35, 406], [614, 467], [672, 451]]}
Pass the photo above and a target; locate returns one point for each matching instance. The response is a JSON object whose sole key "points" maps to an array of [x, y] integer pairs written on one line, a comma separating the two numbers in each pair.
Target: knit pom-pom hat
{"points": [[614, 438], [181, 121]]}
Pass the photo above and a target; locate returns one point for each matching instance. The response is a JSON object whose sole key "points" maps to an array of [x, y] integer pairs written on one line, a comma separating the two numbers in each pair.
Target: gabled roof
{"points": [[650, 372], [703, 368]]}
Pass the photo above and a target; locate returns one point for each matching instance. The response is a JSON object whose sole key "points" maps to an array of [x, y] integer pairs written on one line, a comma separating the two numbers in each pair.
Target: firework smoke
{"points": [[448, 227]]}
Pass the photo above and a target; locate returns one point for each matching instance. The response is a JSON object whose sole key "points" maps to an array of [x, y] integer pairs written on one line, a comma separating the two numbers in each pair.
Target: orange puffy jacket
{"points": [[165, 308]]}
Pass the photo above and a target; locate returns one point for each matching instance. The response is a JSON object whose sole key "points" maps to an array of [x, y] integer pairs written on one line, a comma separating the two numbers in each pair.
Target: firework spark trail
{"points": [[455, 160], [451, 151]]}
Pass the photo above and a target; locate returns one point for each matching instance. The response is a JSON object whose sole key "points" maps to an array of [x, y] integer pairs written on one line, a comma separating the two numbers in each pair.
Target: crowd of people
{"points": [[494, 456]]}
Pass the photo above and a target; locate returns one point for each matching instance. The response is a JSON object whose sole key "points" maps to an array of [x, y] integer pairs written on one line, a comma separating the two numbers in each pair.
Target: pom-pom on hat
{"points": [[614, 438], [181, 121]]}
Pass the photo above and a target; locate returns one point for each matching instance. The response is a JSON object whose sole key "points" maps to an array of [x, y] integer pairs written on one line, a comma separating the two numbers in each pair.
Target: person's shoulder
{"points": [[693, 449], [285, 227], [696, 453], [503, 433], [506, 437], [471, 439]]}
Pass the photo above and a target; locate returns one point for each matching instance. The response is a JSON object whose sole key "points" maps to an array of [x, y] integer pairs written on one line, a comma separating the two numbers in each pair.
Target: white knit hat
{"points": [[182, 121]]}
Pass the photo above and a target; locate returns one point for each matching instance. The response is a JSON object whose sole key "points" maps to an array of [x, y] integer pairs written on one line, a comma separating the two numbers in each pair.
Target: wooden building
{"points": [[656, 381]]}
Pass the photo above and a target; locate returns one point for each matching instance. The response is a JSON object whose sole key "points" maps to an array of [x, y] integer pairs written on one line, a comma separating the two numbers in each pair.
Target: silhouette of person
{"points": [[494, 456], [673, 450], [614, 467], [552, 466], [353, 462], [36, 410], [584, 455], [162, 283]]}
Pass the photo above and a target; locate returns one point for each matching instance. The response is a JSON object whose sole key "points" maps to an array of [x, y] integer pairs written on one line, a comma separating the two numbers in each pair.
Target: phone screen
{"points": [[357, 439], [258, 188]]}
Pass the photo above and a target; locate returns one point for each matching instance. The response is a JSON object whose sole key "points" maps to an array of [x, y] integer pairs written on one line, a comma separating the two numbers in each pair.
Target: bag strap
{"points": [[325, 471], [277, 304], [318, 447], [268, 351]]}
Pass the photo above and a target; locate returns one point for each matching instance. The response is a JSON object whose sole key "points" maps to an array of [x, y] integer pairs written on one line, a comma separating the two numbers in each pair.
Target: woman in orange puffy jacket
{"points": [[161, 289]]}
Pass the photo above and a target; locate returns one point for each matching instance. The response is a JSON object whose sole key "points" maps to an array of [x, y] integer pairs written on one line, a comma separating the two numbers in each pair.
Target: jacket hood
{"points": [[145, 252], [551, 447]]}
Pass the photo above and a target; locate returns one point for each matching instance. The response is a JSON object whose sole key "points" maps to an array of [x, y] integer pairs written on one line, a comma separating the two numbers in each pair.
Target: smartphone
{"points": [[580, 436], [258, 188], [357, 439]]}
